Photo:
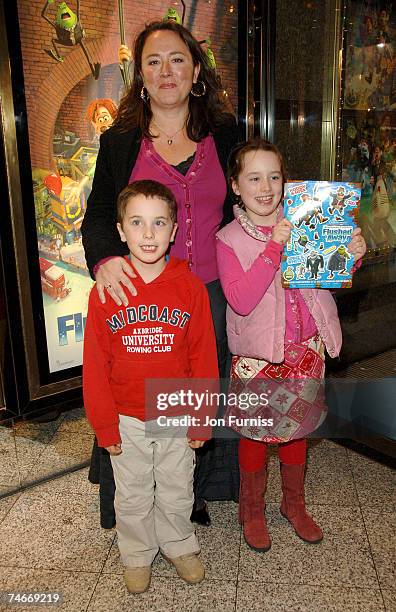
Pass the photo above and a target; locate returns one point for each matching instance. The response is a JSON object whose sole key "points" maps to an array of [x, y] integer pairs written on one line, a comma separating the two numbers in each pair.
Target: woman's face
{"points": [[167, 69]]}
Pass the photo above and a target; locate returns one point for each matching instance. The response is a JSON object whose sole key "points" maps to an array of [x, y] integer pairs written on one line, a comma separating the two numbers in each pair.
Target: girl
{"points": [[269, 325]]}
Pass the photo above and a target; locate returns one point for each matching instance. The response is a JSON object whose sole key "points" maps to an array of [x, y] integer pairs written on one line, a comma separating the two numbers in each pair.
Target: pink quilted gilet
{"points": [[261, 334]]}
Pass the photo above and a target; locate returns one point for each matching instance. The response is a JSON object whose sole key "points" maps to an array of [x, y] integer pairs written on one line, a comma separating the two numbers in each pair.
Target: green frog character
{"points": [[338, 261], [209, 54], [172, 15], [69, 33]]}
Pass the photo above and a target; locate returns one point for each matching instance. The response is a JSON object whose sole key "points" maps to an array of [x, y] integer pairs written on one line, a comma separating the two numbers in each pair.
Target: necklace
{"points": [[169, 137]]}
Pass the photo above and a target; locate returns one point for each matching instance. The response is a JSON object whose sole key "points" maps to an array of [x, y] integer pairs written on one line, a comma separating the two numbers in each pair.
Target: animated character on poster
{"points": [[314, 211], [69, 33], [313, 263], [101, 114], [338, 261], [172, 15]]}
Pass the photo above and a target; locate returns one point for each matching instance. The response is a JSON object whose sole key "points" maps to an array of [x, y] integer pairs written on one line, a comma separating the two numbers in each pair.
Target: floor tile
{"points": [[381, 529], [329, 478], [74, 483], [53, 532], [76, 588], [66, 450], [34, 429], [389, 599], [75, 421], [6, 504], [224, 515], [30, 452], [375, 483], [111, 594], [291, 598], [204, 597], [221, 565], [9, 470], [343, 558]]}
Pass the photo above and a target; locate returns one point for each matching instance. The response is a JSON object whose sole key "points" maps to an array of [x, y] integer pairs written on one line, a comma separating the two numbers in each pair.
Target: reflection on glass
{"points": [[369, 117]]}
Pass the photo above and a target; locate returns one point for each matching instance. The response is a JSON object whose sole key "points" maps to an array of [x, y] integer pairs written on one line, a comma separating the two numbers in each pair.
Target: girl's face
{"points": [[260, 185]]}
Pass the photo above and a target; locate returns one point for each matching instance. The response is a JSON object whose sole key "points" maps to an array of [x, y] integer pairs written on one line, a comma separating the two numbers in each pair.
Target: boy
{"points": [[167, 332]]}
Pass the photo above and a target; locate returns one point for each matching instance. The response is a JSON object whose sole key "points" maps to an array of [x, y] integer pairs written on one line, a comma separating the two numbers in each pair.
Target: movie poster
{"points": [[73, 85], [368, 116]]}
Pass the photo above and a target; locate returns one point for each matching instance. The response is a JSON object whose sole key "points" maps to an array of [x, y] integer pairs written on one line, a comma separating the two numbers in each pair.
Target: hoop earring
{"points": [[203, 91], [144, 94]]}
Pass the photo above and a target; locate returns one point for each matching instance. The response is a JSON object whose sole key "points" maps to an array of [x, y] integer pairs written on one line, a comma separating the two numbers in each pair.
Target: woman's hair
{"points": [[238, 153], [205, 112]]}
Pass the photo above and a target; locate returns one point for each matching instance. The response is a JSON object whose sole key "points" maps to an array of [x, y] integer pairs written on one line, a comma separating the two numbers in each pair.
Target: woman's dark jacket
{"points": [[117, 156]]}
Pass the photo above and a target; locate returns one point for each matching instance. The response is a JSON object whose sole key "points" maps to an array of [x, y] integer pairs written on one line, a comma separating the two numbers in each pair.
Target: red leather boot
{"points": [[252, 509], [293, 504]]}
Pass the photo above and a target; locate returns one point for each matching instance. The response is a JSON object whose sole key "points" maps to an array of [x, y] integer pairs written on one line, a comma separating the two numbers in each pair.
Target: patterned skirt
{"points": [[278, 402]]}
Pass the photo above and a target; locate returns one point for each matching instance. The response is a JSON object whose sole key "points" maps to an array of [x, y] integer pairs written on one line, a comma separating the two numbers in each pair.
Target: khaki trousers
{"points": [[154, 494]]}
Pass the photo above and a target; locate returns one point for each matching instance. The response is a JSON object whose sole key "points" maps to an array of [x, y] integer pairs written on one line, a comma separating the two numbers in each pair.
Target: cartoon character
{"points": [[313, 263], [301, 271], [338, 261], [101, 113], [172, 15], [338, 202], [303, 242], [69, 33], [314, 211], [209, 53]]}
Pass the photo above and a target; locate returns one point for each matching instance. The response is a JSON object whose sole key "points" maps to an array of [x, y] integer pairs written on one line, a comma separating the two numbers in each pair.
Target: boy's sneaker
{"points": [[137, 579], [189, 567]]}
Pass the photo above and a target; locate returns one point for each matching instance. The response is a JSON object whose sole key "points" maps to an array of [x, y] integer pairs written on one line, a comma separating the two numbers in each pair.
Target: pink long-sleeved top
{"points": [[244, 290], [200, 196]]}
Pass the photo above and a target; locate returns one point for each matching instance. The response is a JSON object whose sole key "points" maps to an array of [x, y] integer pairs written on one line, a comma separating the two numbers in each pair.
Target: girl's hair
{"points": [[205, 113], [237, 156]]}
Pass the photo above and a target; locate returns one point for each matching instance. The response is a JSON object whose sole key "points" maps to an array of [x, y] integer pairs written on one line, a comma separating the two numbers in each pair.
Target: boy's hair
{"points": [[237, 156], [150, 189]]}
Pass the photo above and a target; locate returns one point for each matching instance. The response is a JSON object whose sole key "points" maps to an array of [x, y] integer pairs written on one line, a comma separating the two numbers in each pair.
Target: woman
{"points": [[171, 127]]}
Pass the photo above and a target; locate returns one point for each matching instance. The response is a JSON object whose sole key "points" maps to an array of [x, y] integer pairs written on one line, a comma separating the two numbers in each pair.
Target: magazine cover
{"points": [[324, 216]]}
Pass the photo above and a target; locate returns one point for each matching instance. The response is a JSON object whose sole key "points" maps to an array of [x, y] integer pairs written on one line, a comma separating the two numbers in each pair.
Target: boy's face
{"points": [[147, 229]]}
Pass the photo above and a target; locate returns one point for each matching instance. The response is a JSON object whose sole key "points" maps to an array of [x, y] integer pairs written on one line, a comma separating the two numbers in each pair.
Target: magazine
{"points": [[323, 215]]}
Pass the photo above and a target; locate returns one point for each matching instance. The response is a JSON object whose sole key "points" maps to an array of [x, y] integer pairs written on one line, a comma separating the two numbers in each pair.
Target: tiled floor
{"points": [[50, 540], [31, 451]]}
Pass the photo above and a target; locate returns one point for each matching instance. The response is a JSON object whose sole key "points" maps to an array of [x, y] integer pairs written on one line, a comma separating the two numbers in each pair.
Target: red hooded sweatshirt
{"points": [[166, 331]]}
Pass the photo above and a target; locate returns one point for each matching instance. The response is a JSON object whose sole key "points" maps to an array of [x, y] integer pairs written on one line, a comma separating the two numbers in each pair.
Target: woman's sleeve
{"points": [[99, 231], [244, 289]]}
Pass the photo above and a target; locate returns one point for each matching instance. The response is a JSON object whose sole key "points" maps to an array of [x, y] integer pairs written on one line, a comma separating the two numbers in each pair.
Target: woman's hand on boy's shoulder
{"points": [[357, 246], [111, 277], [114, 449]]}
